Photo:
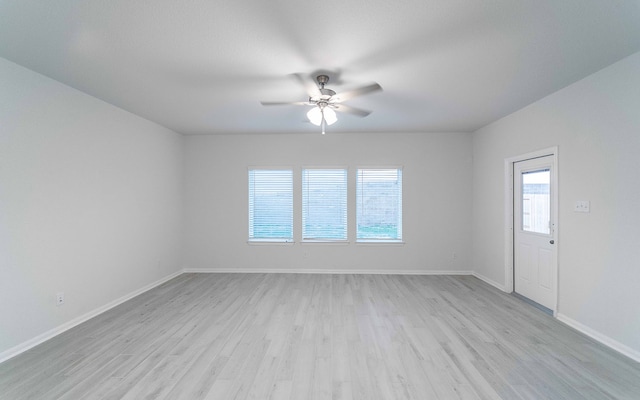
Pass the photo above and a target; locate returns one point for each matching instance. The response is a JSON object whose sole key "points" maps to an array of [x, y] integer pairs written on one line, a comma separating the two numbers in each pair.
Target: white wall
{"points": [[436, 200], [90, 203], [596, 124]]}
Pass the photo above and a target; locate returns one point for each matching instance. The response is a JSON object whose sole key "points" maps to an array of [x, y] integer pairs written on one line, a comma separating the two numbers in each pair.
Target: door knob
{"points": [[551, 241]]}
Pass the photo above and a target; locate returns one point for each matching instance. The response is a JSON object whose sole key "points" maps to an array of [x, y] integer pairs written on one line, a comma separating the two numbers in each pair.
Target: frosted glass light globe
{"points": [[315, 116]]}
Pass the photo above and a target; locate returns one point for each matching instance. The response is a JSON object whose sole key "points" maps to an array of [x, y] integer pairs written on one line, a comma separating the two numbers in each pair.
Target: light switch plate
{"points": [[582, 206]]}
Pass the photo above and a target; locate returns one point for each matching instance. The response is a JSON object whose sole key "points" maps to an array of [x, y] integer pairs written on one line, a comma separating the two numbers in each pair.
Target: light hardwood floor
{"points": [[296, 336]]}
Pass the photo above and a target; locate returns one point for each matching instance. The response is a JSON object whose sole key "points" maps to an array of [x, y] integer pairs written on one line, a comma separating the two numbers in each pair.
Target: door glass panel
{"points": [[536, 201]]}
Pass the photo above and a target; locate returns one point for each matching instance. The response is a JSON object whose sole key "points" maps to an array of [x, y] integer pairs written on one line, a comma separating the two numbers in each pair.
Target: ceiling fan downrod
{"points": [[325, 94], [322, 80]]}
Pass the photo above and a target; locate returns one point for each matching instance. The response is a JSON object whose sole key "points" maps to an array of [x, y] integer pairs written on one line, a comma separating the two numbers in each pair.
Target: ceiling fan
{"points": [[326, 101]]}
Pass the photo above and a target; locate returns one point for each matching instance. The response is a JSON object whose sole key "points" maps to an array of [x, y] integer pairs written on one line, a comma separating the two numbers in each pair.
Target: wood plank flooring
{"points": [[297, 336]]}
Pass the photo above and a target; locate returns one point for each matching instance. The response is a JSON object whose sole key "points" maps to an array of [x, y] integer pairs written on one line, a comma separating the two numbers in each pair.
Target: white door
{"points": [[535, 265]]}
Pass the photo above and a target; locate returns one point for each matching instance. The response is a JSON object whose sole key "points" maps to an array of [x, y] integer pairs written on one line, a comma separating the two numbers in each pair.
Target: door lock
{"points": [[551, 241]]}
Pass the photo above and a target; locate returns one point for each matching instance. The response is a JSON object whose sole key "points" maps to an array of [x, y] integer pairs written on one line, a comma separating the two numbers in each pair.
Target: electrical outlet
{"points": [[59, 298]]}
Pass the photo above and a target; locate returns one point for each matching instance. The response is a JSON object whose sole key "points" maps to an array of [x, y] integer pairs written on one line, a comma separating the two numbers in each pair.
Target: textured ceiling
{"points": [[202, 67]]}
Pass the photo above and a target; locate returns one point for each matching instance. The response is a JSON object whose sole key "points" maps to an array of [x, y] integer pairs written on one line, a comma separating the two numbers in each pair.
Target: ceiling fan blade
{"points": [[310, 86], [349, 94], [285, 103], [350, 110]]}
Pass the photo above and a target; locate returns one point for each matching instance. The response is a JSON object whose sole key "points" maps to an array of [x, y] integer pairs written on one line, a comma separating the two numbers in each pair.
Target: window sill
{"points": [[327, 241], [270, 241], [383, 242]]}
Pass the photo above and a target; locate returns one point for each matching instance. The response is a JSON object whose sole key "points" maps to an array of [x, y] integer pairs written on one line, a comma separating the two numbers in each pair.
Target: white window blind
{"points": [[271, 204], [324, 204], [379, 204]]}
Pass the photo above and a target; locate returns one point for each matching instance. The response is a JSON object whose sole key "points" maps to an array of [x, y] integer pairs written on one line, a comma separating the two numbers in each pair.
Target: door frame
{"points": [[509, 217]]}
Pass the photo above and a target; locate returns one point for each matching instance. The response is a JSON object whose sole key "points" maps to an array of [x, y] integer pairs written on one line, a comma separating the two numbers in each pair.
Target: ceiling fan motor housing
{"points": [[327, 92]]}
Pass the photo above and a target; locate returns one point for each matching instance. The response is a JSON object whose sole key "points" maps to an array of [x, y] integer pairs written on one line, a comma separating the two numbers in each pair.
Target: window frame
{"points": [[400, 223], [270, 240], [344, 240]]}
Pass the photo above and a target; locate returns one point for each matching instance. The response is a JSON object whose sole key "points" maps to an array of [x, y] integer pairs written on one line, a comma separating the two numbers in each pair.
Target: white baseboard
{"points": [[604, 339], [321, 271], [22, 347], [491, 282]]}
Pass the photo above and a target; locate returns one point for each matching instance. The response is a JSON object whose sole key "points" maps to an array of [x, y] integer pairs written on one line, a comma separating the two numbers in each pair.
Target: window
{"points": [[324, 204], [271, 205], [536, 201], [379, 205]]}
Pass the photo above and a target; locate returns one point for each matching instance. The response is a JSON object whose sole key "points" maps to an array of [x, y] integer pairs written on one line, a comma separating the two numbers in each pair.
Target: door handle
{"points": [[552, 241]]}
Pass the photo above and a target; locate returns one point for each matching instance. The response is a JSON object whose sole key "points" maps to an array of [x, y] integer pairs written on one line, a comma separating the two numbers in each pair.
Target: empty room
{"points": [[423, 199]]}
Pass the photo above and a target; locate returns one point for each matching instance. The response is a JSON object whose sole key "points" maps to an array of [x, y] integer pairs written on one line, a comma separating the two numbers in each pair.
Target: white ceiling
{"points": [[202, 67]]}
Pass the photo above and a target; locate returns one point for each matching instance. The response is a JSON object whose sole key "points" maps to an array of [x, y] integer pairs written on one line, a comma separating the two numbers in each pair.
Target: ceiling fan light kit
{"points": [[317, 114], [326, 102]]}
